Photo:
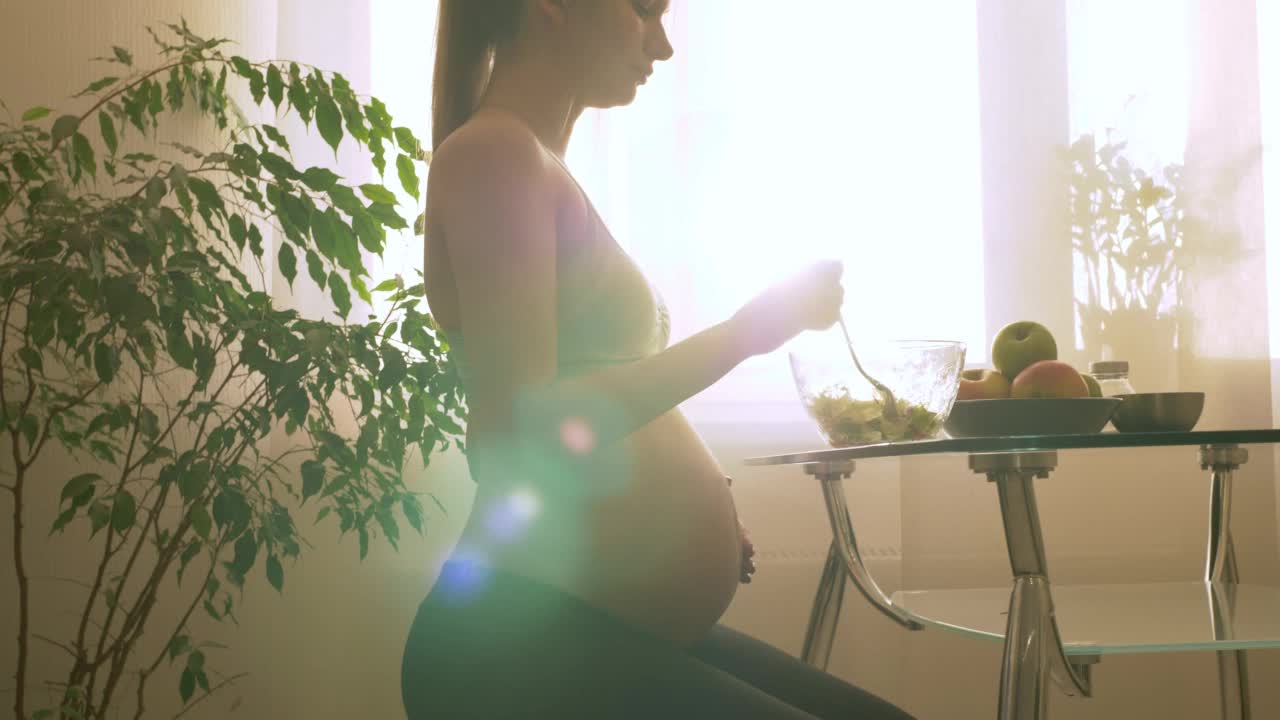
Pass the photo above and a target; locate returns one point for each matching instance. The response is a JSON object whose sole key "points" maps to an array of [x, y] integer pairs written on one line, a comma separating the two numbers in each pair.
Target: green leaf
{"points": [[230, 511], [193, 481], [388, 524], [108, 132], [175, 89], [388, 216], [276, 136], [312, 478], [407, 141], [239, 231], [275, 85], [362, 290], [179, 645], [393, 369], [35, 113], [323, 233], [32, 359], [84, 154], [340, 293], [277, 165], [207, 194], [257, 87], [275, 573], [97, 85], [200, 521], [378, 193], [27, 169], [255, 241], [364, 542], [315, 268], [246, 552], [124, 57], [408, 175], [187, 686], [370, 234], [99, 516], [412, 512], [298, 96], [329, 120], [344, 198], [124, 511], [105, 362], [179, 347], [78, 485], [64, 127], [242, 66], [288, 262], [319, 179]]}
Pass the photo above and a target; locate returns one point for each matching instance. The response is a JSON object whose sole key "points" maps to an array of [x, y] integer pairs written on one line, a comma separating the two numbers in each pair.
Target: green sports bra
{"points": [[607, 312]]}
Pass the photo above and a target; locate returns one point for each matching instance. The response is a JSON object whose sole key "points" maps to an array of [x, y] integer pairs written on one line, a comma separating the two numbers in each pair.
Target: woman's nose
{"points": [[660, 45]]}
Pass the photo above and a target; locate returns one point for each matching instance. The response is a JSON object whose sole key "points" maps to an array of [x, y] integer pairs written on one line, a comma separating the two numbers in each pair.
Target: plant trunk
{"points": [[19, 696]]}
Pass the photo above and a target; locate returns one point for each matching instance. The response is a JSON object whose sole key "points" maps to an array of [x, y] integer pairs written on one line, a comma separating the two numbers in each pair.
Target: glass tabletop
{"points": [[1023, 443], [1129, 618]]}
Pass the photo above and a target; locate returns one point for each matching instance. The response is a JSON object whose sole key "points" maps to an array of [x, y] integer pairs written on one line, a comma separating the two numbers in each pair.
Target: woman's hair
{"points": [[467, 33]]}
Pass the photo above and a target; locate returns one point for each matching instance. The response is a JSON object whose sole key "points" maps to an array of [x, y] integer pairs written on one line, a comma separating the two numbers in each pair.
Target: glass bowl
{"points": [[924, 376]]}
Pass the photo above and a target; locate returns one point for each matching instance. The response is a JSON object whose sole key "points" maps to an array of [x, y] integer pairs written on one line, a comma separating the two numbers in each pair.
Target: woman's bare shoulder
{"points": [[490, 152]]}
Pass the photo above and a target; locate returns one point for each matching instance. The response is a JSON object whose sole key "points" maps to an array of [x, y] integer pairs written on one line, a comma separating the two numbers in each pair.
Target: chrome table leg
{"points": [[1220, 570], [819, 637], [843, 559], [1033, 649]]}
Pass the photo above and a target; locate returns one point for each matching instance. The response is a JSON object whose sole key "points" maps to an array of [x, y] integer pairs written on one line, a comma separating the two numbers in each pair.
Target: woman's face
{"points": [[613, 45]]}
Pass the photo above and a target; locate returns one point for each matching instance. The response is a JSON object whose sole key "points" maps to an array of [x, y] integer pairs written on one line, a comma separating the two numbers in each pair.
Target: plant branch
{"points": [[124, 474], [24, 592], [143, 675], [4, 339], [66, 648]]}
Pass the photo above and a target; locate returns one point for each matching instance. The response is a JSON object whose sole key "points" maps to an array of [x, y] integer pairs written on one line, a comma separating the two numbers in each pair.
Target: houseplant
{"points": [[137, 345], [1128, 235]]}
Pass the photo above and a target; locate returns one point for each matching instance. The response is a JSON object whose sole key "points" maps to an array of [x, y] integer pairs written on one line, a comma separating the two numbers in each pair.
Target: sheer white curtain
{"points": [[782, 134]]}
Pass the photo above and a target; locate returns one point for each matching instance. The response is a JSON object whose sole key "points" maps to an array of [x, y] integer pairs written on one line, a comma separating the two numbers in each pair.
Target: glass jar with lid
{"points": [[1112, 377]]}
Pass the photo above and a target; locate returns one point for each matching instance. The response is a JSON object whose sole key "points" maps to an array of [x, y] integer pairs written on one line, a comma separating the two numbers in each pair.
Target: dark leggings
{"points": [[488, 644]]}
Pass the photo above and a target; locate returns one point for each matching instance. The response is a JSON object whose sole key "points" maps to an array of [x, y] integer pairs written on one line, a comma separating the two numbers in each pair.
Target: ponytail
{"points": [[467, 34]]}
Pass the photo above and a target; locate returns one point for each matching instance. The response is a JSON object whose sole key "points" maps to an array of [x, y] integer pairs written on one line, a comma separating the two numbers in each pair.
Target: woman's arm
{"points": [[500, 213]]}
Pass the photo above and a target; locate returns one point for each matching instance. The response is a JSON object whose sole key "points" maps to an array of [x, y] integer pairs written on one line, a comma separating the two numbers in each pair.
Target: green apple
{"points": [[1049, 379], [982, 384], [1020, 345], [1095, 390]]}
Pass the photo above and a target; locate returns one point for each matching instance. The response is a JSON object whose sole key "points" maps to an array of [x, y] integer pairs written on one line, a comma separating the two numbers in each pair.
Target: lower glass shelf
{"points": [[1136, 618]]}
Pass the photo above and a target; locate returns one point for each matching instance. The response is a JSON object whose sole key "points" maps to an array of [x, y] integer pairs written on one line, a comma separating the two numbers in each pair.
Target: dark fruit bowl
{"points": [[1159, 412], [1031, 416]]}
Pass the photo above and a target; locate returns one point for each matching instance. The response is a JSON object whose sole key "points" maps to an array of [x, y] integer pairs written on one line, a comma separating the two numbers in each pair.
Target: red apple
{"points": [[982, 384], [1049, 379]]}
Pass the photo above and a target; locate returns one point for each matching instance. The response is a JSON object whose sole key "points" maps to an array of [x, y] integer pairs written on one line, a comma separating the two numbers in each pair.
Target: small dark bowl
{"points": [[1030, 416], [1159, 412]]}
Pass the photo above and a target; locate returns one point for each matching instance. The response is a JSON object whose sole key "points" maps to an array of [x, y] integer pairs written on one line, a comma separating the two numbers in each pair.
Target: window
{"points": [[784, 134], [779, 134]]}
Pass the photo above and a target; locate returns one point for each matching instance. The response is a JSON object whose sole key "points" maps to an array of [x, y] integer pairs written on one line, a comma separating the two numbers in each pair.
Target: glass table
{"points": [[1057, 632]]}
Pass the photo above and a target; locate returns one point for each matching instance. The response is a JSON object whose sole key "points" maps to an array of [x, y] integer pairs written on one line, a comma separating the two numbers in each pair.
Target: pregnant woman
{"points": [[603, 545]]}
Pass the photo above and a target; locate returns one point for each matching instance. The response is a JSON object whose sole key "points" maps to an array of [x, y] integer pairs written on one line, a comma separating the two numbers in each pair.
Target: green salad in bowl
{"points": [[924, 376], [845, 420]]}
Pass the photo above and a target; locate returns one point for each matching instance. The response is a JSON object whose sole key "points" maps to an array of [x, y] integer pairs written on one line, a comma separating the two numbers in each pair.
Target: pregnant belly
{"points": [[647, 531]]}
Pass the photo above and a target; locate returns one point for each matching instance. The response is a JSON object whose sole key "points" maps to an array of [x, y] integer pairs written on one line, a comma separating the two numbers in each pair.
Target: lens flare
{"points": [[577, 436]]}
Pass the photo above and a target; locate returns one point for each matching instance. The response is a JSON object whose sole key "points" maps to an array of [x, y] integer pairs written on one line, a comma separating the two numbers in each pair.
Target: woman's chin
{"points": [[624, 95]]}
